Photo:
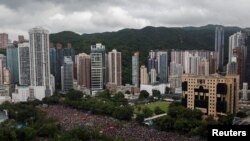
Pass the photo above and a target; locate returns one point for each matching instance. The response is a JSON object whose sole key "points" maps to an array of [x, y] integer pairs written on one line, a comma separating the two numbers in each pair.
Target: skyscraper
{"points": [[135, 69], [24, 64], [67, 73], [2, 66], [236, 40], [83, 70], [98, 67], [153, 76], [163, 71], [144, 75], [204, 67], [247, 44], [219, 48], [21, 39], [39, 61], [3, 40], [12, 62], [115, 67], [53, 61]]}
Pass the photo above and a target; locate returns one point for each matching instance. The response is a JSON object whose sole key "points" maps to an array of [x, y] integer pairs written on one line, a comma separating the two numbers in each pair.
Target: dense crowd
{"points": [[71, 118]]}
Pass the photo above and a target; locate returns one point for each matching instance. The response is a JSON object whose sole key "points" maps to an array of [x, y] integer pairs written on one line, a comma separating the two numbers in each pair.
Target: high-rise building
{"points": [[204, 67], [235, 41], [7, 77], [3, 40], [244, 91], [83, 70], [194, 62], [144, 75], [232, 66], [2, 66], [12, 62], [135, 69], [59, 62], [163, 70], [214, 95], [176, 71], [21, 39], [53, 61], [115, 67], [67, 73], [247, 61], [24, 64], [212, 62], [69, 51], [219, 48], [39, 63], [98, 67], [153, 76]]}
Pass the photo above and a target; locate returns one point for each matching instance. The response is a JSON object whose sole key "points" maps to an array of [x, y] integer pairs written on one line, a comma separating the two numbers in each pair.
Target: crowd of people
{"points": [[71, 118]]}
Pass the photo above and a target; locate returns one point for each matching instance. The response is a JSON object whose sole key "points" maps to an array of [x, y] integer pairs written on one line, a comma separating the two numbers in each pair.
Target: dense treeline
{"points": [[189, 121], [115, 106], [143, 40], [28, 123]]}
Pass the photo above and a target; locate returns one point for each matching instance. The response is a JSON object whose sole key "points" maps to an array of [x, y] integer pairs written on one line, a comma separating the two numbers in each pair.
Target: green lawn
{"points": [[162, 104]]}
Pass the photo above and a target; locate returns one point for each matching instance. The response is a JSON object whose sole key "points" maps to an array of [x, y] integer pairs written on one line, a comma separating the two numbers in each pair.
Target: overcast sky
{"points": [[90, 16]]}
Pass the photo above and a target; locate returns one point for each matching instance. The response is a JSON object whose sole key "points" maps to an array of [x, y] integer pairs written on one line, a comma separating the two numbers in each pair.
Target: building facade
{"points": [[39, 61], [135, 69], [83, 70], [214, 95], [115, 67], [143, 75], [67, 74], [3, 40], [219, 48], [98, 67], [163, 68], [12, 62], [24, 64]]}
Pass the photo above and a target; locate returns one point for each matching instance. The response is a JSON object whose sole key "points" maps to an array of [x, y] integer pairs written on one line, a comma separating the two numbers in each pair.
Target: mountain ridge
{"points": [[145, 39]]}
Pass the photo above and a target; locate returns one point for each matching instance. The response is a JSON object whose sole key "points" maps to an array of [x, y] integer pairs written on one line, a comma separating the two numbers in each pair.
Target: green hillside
{"points": [[143, 40]]}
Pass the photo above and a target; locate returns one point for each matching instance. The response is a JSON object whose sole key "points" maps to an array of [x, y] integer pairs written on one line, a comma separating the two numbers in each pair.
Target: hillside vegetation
{"points": [[143, 40]]}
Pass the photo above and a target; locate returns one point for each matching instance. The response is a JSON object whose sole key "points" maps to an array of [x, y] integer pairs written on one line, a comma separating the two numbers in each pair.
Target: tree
{"points": [[74, 95], [165, 123], [147, 112], [158, 110], [143, 94], [139, 118], [156, 93], [127, 92], [241, 114], [226, 120], [123, 113], [104, 94], [167, 90], [120, 99]]}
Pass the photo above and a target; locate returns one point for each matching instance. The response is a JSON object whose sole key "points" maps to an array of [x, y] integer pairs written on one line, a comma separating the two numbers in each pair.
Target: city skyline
{"points": [[54, 15]]}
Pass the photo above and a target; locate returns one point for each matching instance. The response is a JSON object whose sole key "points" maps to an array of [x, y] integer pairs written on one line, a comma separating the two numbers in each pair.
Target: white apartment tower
{"points": [[39, 62], [98, 67]]}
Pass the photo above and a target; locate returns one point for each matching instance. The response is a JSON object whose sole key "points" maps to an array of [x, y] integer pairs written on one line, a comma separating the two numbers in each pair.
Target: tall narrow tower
{"points": [[24, 64], [219, 48], [98, 67], [39, 60], [135, 69], [114, 69]]}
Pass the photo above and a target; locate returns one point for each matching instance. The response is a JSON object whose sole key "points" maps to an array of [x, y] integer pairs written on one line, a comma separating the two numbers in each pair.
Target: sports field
{"points": [[162, 104]]}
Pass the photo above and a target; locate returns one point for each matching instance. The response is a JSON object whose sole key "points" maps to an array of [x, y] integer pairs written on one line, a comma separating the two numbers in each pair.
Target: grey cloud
{"points": [[88, 16]]}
